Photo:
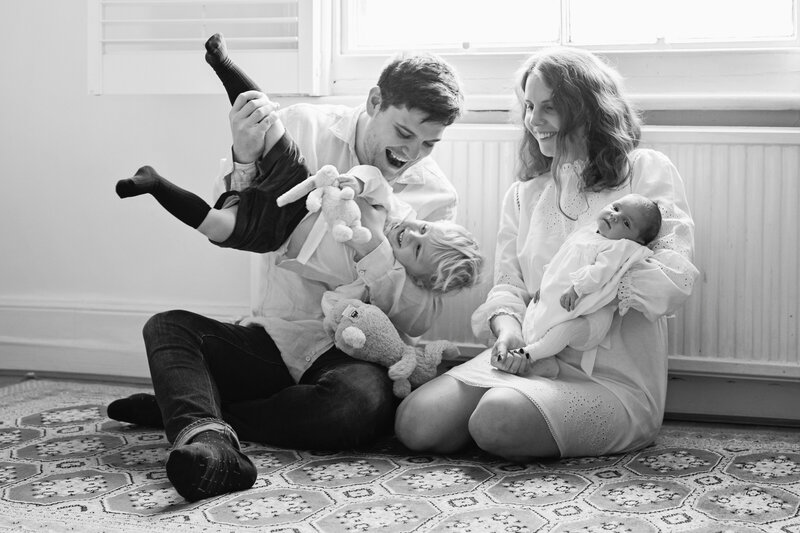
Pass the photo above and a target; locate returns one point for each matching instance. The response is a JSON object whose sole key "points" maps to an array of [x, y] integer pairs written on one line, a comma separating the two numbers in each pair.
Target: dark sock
{"points": [[208, 466], [140, 409], [233, 78], [184, 205]]}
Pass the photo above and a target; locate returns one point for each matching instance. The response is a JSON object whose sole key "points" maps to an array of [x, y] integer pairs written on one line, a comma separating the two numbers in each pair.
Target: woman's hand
{"points": [[509, 335], [514, 362]]}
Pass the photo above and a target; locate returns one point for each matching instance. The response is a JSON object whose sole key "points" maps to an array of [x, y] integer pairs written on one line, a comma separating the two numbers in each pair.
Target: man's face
{"points": [[395, 138]]}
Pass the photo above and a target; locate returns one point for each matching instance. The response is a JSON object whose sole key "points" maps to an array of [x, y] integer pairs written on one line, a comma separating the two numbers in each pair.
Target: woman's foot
{"points": [[208, 466], [140, 409]]}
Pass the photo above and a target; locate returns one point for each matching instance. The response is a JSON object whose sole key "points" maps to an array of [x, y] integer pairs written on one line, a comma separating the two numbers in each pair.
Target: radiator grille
{"points": [[742, 185]]}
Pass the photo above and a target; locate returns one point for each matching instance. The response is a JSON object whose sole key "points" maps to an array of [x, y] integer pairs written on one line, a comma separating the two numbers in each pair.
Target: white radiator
{"points": [[742, 185]]}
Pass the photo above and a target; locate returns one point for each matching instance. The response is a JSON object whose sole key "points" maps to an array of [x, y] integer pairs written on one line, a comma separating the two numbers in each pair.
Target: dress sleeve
{"points": [[509, 294], [660, 284]]}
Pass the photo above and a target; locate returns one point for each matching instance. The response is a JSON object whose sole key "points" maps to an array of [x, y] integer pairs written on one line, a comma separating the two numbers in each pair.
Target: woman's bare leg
{"points": [[506, 423], [435, 417]]}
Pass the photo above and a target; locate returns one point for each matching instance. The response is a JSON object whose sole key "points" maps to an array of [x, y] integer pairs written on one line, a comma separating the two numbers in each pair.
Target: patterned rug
{"points": [[64, 466]]}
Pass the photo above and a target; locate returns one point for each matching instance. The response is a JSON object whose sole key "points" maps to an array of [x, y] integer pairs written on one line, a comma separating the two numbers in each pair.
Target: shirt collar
{"points": [[344, 128]]}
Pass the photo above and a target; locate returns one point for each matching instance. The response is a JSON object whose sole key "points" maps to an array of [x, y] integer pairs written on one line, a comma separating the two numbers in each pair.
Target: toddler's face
{"points": [[622, 219], [410, 241]]}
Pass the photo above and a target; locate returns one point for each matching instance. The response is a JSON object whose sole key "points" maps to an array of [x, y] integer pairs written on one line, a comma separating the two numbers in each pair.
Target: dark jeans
{"points": [[205, 369]]}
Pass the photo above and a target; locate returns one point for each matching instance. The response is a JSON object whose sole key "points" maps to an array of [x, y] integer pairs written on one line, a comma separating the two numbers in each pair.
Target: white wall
{"points": [[81, 268]]}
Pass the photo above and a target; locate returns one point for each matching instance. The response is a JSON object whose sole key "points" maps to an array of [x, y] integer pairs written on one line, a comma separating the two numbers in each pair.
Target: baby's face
{"points": [[410, 241], [622, 219]]}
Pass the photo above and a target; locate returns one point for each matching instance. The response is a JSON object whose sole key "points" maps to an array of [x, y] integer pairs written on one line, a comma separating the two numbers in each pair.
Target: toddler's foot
{"points": [[216, 51], [140, 409], [144, 181], [208, 466]]}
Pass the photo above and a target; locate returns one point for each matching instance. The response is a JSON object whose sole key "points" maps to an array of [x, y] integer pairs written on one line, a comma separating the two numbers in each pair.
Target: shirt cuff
{"points": [[377, 263], [242, 175]]}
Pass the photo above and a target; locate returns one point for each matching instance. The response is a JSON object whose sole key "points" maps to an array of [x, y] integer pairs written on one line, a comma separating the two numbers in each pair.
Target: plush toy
{"points": [[363, 331], [338, 206]]}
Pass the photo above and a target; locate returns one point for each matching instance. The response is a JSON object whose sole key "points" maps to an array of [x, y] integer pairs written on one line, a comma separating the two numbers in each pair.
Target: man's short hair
{"points": [[422, 81], [457, 258]]}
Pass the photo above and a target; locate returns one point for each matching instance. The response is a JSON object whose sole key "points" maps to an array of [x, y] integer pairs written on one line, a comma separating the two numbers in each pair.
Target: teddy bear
{"points": [[339, 208], [363, 331]]}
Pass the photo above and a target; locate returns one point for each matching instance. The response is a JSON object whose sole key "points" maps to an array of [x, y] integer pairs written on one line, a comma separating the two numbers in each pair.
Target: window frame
{"points": [[761, 75]]}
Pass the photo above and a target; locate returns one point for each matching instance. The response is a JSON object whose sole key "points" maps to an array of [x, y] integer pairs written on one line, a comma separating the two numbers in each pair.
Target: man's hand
{"points": [[251, 116], [569, 299], [373, 217]]}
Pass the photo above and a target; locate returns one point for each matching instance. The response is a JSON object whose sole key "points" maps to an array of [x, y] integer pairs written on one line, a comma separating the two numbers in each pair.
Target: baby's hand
{"points": [[569, 299], [347, 180], [514, 362]]}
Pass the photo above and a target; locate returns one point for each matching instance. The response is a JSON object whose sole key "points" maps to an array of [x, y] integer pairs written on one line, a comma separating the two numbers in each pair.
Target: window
{"points": [[156, 46], [686, 54], [673, 53], [453, 25]]}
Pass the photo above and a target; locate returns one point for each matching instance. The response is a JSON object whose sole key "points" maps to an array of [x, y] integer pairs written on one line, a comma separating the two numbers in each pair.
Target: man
{"points": [[277, 378]]}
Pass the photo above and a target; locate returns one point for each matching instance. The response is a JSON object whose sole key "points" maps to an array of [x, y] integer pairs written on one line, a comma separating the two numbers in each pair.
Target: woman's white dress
{"points": [[621, 405]]}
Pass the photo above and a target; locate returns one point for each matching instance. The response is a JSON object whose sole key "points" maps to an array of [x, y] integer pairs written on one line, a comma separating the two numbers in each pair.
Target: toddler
{"points": [[439, 256]]}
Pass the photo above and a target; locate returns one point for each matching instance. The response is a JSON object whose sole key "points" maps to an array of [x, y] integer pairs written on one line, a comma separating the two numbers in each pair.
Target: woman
{"points": [[578, 154]]}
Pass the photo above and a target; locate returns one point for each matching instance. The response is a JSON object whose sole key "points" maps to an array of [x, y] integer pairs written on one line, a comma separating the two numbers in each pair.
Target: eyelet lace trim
{"points": [[625, 293], [504, 311], [504, 279], [590, 417]]}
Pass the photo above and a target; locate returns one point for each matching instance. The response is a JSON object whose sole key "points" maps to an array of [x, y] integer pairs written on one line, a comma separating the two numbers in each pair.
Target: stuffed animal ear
{"points": [[354, 337], [297, 192]]}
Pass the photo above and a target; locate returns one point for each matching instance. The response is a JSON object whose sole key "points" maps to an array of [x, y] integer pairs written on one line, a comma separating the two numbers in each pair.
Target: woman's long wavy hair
{"points": [[588, 93]]}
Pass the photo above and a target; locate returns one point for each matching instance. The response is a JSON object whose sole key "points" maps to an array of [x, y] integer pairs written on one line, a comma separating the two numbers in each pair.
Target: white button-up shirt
{"points": [[288, 305]]}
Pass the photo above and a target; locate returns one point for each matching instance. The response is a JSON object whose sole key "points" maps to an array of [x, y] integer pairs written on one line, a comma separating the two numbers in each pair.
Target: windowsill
{"points": [[645, 102]]}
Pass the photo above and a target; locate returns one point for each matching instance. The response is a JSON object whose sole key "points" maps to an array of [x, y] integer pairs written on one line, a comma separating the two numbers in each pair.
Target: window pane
{"points": [[450, 24], [679, 21]]}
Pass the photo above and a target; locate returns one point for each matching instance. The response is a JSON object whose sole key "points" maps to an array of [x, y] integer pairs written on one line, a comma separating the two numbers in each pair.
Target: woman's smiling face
{"points": [[541, 117]]}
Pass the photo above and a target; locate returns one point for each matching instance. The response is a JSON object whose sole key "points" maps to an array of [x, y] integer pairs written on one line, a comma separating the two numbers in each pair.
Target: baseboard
{"points": [[102, 341], [742, 399], [80, 337]]}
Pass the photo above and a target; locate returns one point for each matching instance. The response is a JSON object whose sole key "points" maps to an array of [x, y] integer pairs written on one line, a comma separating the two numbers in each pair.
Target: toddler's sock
{"points": [[184, 205], [208, 466], [140, 409], [572, 332], [232, 77]]}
